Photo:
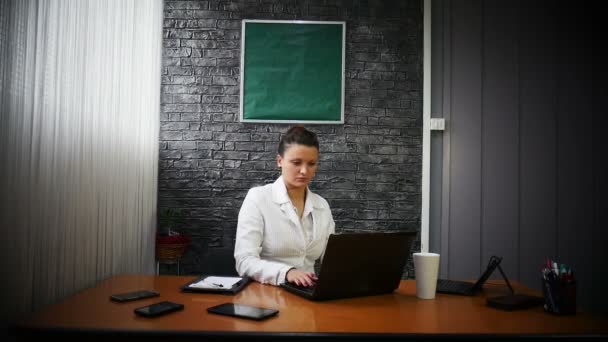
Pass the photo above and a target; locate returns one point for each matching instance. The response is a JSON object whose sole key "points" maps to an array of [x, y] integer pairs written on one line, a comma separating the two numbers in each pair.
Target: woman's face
{"points": [[298, 164]]}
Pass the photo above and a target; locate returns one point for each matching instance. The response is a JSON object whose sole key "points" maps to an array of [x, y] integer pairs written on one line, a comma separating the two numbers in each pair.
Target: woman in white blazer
{"points": [[283, 227]]}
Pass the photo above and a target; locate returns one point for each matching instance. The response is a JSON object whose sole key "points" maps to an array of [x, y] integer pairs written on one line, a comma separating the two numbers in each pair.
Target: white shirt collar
{"points": [[280, 196]]}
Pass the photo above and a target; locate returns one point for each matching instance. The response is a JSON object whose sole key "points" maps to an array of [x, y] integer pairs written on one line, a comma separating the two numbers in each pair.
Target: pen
{"points": [[549, 295], [218, 285], [570, 275], [562, 270], [555, 269]]}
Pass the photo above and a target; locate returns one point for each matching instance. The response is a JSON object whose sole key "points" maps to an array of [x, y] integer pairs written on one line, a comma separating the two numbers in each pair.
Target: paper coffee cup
{"points": [[426, 266]]}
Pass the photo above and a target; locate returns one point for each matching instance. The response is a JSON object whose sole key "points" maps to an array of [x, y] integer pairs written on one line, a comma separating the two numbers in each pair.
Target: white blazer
{"points": [[269, 236]]}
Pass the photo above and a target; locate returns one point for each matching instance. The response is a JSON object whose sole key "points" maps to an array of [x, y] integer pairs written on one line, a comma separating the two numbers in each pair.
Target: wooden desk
{"points": [[399, 314]]}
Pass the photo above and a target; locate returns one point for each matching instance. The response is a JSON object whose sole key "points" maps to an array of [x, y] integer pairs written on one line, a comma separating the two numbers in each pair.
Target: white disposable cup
{"points": [[426, 266]]}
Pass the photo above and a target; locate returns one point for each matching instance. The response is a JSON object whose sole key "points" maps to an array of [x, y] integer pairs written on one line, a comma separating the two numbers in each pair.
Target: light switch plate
{"points": [[437, 124]]}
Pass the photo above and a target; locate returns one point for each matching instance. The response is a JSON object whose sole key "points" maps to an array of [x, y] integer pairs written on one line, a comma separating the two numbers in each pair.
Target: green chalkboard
{"points": [[292, 71]]}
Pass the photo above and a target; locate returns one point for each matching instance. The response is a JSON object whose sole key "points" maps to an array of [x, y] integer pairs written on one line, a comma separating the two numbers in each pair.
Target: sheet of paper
{"points": [[214, 282]]}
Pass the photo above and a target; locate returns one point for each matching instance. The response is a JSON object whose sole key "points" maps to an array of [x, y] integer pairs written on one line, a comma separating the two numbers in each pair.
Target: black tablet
{"points": [[243, 311], [129, 296], [158, 309]]}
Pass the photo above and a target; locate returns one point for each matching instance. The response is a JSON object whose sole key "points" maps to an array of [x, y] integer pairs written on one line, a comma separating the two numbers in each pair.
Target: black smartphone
{"points": [[158, 309], [243, 311], [129, 296]]}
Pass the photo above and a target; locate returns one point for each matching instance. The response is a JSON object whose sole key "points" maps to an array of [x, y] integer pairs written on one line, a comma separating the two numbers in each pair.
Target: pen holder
{"points": [[560, 296]]}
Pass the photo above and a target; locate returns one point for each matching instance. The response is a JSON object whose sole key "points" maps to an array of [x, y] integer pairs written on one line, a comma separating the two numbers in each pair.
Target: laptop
{"points": [[359, 264], [466, 288]]}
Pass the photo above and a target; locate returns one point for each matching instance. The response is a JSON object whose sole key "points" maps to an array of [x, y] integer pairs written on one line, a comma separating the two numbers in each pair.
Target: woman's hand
{"points": [[300, 277]]}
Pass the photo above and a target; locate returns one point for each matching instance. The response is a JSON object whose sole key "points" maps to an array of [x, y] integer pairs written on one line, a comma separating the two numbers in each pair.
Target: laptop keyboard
{"points": [[309, 289], [453, 285]]}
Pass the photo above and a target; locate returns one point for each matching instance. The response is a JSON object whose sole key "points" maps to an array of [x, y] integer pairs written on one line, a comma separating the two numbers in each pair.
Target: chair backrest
{"points": [[219, 261]]}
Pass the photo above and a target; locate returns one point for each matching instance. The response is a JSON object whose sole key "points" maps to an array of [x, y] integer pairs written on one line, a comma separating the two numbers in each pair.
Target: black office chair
{"points": [[219, 261]]}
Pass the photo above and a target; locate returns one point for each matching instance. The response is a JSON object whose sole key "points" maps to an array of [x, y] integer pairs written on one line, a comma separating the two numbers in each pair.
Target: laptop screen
{"points": [[358, 264], [492, 264]]}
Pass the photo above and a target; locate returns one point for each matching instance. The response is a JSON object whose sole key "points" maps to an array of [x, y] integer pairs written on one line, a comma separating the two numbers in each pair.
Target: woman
{"points": [[283, 227]]}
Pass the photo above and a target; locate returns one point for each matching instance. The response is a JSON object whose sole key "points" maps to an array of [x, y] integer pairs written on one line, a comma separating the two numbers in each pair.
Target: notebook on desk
{"points": [[467, 288], [359, 264]]}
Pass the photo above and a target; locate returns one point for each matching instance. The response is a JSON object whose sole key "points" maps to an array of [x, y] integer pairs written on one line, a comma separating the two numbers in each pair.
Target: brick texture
{"points": [[370, 167]]}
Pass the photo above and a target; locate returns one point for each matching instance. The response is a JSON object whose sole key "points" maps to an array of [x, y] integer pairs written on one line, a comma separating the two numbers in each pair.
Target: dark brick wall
{"points": [[370, 167]]}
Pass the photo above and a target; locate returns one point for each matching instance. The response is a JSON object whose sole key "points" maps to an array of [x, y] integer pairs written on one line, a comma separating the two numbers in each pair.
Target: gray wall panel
{"points": [[524, 176], [500, 138], [575, 176], [597, 287], [465, 127], [445, 14], [538, 143], [436, 137]]}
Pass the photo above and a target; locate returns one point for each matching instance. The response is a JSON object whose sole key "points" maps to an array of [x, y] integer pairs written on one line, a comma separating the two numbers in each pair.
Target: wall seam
{"points": [[481, 130]]}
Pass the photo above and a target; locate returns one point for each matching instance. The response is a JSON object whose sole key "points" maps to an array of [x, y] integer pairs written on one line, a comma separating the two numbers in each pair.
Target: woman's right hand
{"points": [[300, 277]]}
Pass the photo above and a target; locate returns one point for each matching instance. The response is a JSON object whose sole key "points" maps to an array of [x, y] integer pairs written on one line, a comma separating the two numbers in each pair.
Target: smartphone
{"points": [[158, 309], [243, 311], [129, 296]]}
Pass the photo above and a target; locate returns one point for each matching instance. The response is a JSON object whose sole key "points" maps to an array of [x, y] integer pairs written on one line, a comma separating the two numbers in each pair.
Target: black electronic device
{"points": [[243, 311], [158, 309], [467, 288], [134, 295], [514, 302], [359, 264]]}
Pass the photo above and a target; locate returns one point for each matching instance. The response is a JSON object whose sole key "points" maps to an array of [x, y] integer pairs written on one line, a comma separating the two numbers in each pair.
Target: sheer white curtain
{"points": [[80, 100]]}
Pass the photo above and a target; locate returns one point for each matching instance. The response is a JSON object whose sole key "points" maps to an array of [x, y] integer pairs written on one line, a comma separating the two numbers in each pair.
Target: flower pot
{"points": [[171, 247]]}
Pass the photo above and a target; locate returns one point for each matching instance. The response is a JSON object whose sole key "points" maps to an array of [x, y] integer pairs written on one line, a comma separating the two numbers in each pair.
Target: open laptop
{"points": [[466, 288], [359, 264]]}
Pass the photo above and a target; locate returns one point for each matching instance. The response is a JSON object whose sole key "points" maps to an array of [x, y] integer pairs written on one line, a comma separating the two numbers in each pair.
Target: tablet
{"points": [[135, 295], [158, 309], [243, 311]]}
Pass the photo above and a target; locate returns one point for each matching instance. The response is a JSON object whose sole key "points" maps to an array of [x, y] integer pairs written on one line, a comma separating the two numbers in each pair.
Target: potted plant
{"points": [[170, 244]]}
